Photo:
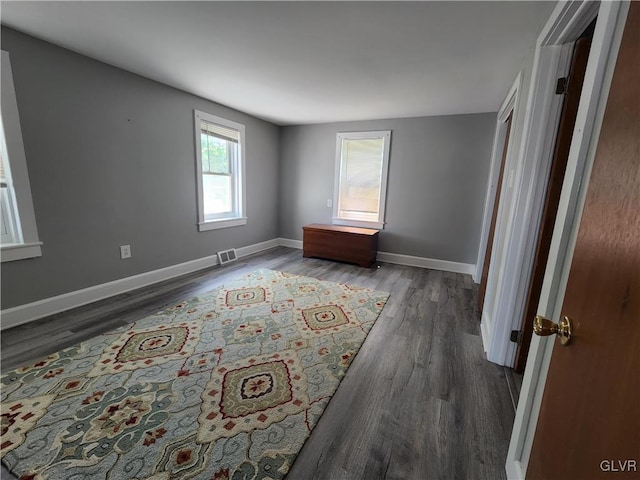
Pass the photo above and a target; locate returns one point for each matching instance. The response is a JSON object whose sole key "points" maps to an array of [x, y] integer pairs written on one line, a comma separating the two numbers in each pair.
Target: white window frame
{"points": [[17, 202], [11, 233], [237, 216], [380, 222]]}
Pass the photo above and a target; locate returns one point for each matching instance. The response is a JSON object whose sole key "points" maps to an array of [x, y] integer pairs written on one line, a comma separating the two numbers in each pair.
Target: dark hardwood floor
{"points": [[420, 400]]}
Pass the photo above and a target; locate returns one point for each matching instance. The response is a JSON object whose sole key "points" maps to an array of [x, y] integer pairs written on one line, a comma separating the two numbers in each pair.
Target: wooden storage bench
{"points": [[345, 244]]}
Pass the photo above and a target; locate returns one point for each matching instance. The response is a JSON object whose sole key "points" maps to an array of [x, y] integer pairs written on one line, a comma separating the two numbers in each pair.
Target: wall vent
{"points": [[226, 256]]}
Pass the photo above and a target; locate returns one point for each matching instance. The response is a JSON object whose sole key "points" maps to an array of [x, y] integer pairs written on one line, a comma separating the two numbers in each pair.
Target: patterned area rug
{"points": [[227, 385]]}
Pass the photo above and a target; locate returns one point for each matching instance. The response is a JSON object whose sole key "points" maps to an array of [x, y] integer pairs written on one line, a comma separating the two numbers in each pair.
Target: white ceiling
{"points": [[305, 62]]}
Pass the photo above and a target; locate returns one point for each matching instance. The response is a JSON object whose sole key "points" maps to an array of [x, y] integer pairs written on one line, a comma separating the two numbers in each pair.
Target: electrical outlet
{"points": [[329, 203], [125, 251]]}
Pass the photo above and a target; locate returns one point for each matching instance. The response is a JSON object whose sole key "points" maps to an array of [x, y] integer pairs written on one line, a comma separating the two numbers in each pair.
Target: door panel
{"points": [[589, 423]]}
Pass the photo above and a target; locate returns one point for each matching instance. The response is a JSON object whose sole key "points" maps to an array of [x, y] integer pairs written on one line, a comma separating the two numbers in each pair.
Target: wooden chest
{"points": [[345, 244]]}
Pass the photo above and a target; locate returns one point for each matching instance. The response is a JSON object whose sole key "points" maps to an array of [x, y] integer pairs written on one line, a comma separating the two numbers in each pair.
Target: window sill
{"points": [[20, 251], [222, 223], [358, 223]]}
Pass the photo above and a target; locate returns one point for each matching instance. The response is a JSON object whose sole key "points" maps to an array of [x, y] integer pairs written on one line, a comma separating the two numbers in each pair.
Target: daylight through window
{"points": [[361, 178], [18, 232], [9, 232], [220, 171]]}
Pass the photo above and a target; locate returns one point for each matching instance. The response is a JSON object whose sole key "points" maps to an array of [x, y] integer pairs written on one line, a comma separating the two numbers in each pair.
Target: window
{"points": [[220, 166], [18, 232], [362, 162], [8, 222]]}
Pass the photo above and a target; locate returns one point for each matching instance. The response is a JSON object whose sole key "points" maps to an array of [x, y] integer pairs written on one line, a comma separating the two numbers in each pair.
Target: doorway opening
{"points": [[571, 88], [506, 126]]}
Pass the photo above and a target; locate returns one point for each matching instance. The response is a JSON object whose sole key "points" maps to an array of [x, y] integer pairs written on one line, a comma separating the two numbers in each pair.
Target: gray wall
{"points": [[111, 161], [438, 173]]}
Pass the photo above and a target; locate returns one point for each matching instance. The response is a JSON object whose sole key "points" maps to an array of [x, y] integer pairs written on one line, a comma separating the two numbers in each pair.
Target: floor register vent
{"points": [[226, 256]]}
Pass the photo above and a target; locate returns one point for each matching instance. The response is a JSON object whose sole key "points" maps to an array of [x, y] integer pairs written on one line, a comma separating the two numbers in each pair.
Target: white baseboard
{"points": [[12, 317], [424, 262], [514, 470], [258, 247], [409, 260], [485, 332], [287, 242]]}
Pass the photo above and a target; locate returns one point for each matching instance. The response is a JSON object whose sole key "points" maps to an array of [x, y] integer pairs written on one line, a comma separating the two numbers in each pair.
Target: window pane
{"points": [[215, 154], [3, 175], [219, 148], [7, 211], [4, 231], [217, 195], [220, 131], [361, 176]]}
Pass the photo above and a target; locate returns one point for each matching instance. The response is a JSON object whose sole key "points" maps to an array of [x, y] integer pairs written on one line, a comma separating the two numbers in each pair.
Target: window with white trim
{"points": [[362, 163], [9, 233], [18, 232], [220, 167]]}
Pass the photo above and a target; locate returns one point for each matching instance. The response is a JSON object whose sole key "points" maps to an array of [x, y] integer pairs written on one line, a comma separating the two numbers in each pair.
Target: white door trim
{"points": [[511, 269], [508, 106], [511, 272], [564, 26], [531, 178]]}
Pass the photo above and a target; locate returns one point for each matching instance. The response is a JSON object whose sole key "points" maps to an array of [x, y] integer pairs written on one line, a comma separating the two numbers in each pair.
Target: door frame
{"points": [[564, 26], [522, 199], [508, 107]]}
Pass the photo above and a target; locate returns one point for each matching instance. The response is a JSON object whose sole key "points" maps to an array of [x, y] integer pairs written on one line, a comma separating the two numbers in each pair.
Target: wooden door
{"points": [[552, 196], [589, 423], [487, 256]]}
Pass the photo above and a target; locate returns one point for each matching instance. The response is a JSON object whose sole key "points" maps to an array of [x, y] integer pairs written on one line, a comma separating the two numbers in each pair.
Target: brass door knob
{"points": [[543, 326]]}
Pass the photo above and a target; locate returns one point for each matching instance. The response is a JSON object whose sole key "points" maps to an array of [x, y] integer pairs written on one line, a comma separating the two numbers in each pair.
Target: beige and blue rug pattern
{"points": [[227, 385]]}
